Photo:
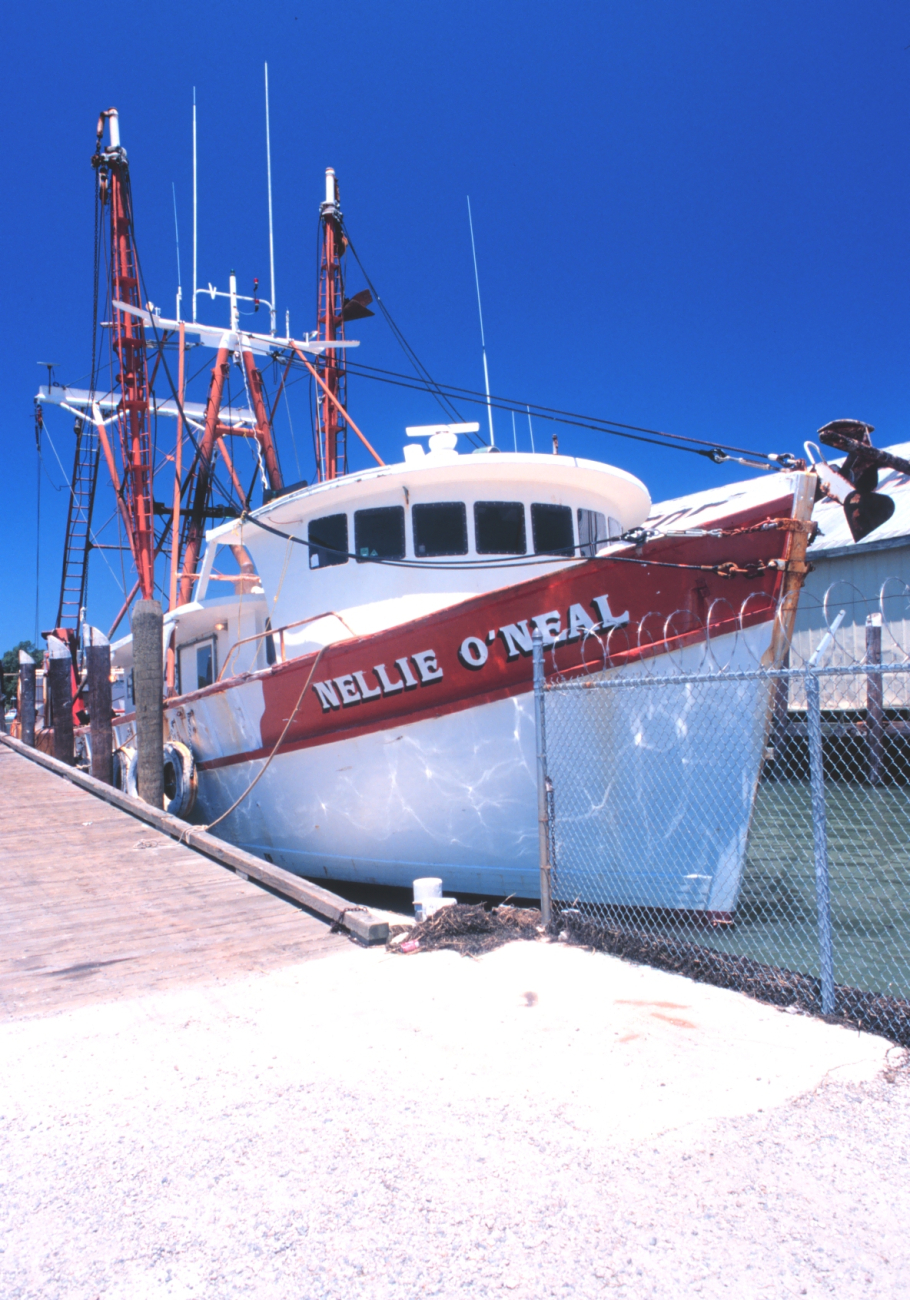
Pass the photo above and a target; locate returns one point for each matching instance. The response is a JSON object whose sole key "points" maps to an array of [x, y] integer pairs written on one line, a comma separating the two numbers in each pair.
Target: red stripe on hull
{"points": [[426, 677]]}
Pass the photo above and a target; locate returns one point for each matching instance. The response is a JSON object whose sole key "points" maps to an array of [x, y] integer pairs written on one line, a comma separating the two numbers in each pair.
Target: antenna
{"points": [[195, 245], [486, 373], [531, 428], [514, 434], [268, 163], [177, 237]]}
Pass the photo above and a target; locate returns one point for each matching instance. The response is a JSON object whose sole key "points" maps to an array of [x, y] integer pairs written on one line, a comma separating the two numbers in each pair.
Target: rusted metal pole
{"points": [[98, 665], [229, 466], [26, 698], [60, 684], [148, 683], [196, 508], [263, 425]]}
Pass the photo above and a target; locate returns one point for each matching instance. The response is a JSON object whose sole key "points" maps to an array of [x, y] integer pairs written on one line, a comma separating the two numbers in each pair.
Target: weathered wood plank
{"points": [[359, 921], [86, 915]]}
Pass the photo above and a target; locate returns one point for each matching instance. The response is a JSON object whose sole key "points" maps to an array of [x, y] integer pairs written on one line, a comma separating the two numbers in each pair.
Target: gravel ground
{"points": [[338, 1128]]}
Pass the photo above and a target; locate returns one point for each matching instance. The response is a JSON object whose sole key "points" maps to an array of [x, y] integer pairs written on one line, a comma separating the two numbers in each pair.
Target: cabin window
{"points": [[592, 531], [551, 528], [197, 665], [379, 533], [440, 528], [499, 528], [595, 530], [328, 539], [205, 665]]}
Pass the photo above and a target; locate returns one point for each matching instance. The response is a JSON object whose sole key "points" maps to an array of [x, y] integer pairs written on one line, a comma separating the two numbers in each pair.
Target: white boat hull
{"points": [[455, 796]]}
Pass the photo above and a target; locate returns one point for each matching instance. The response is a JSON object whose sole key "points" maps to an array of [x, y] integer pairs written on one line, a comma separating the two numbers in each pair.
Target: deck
{"points": [[97, 906]]}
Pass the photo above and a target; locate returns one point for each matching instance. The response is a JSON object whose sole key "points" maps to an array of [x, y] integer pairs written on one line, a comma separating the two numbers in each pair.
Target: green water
{"points": [[869, 871]]}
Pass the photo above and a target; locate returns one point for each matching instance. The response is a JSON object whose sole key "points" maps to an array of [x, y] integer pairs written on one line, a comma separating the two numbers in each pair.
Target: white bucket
{"points": [[424, 908], [427, 887]]}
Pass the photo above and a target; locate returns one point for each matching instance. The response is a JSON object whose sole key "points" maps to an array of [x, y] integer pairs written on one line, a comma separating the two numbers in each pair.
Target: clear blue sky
{"points": [[688, 216]]}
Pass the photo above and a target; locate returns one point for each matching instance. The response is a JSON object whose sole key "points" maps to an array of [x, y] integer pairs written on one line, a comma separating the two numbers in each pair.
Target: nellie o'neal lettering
{"points": [[422, 669]]}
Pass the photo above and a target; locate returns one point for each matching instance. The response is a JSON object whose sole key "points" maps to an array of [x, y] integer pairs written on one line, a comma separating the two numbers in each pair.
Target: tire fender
{"points": [[180, 783]]}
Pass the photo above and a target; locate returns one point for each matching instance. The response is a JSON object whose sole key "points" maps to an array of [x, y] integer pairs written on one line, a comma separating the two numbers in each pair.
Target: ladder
{"points": [[78, 543]]}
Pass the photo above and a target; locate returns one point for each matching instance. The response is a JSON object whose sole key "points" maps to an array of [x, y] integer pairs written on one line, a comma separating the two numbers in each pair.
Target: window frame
{"points": [[420, 506], [317, 549], [211, 637], [375, 510], [563, 552], [524, 527]]}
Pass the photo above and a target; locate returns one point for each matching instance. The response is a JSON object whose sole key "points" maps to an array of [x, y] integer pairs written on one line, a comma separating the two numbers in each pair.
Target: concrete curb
{"points": [[359, 921]]}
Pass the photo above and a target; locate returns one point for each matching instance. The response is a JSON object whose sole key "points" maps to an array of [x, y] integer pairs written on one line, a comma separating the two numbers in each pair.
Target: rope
{"points": [[445, 402], [278, 743]]}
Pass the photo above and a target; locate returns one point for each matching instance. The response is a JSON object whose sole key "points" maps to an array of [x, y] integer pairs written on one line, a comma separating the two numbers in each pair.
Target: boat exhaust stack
{"points": [[113, 123], [330, 207]]}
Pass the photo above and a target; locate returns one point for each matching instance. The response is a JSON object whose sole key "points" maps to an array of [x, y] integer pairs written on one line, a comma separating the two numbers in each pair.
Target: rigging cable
{"points": [[705, 447], [430, 383]]}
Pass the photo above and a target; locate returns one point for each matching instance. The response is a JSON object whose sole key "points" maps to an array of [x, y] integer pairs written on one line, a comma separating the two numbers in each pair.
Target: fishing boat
{"points": [[365, 709], [349, 663]]}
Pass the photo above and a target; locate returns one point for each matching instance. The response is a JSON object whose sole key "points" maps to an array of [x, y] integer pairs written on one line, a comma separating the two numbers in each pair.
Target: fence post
{"points": [[875, 718], [820, 838], [543, 817]]}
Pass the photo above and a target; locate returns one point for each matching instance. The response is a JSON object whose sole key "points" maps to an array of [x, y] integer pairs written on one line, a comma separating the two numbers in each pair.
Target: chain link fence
{"points": [[748, 828]]}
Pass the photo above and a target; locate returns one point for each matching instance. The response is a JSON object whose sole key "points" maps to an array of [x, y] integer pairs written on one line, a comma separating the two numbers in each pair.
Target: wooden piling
{"points": [[27, 681], [98, 665], [148, 693], [60, 686]]}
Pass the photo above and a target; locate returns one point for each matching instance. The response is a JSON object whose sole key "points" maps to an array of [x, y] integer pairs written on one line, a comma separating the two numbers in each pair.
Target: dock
{"points": [[96, 905]]}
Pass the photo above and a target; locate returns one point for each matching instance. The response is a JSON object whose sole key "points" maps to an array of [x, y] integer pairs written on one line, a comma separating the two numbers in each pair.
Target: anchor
{"points": [[855, 482]]}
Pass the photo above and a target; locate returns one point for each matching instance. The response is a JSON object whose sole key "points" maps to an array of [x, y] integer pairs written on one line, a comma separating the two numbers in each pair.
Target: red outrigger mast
{"points": [[333, 309], [192, 508], [332, 448], [134, 492], [132, 405]]}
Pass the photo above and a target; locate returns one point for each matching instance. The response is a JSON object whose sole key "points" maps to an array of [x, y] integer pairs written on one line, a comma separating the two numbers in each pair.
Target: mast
{"points": [[330, 404], [129, 347]]}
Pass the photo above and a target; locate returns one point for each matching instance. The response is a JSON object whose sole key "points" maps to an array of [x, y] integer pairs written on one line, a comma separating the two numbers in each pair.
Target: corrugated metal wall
{"points": [[869, 582]]}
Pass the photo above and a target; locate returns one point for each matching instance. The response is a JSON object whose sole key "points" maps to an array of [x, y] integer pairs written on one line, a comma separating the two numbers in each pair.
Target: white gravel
{"points": [[542, 1122]]}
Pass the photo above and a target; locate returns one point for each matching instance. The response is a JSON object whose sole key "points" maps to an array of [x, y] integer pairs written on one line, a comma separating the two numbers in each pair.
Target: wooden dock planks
{"points": [[96, 905]]}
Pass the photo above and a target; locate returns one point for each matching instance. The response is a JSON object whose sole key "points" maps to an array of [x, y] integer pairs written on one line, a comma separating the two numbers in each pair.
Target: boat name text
{"points": [[354, 688]]}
